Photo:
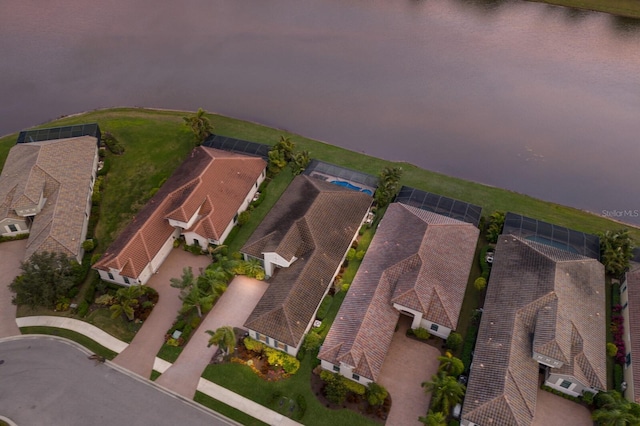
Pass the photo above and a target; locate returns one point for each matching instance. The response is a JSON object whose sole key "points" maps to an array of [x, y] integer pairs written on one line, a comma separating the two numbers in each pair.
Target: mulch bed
{"points": [[353, 402]]}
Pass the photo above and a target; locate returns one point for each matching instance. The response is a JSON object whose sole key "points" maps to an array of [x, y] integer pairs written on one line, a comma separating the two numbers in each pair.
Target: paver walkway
{"points": [[408, 364], [11, 254], [140, 355], [553, 410], [232, 309]]}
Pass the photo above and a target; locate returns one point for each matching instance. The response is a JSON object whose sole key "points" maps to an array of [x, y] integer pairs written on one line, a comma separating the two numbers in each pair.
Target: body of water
{"points": [[538, 99]]}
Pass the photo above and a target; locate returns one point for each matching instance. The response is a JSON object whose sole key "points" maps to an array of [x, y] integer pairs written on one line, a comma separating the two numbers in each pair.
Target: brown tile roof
{"points": [[633, 295], [417, 258], [218, 181], [314, 221], [535, 288], [61, 169]]}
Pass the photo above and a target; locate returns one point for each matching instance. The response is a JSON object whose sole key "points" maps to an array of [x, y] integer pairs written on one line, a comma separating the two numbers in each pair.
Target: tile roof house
{"points": [[45, 190], [418, 264], [630, 310], [544, 308], [302, 242], [201, 201]]}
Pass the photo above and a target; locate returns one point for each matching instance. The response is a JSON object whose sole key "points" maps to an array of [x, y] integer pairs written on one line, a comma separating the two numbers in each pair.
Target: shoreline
{"points": [[490, 197], [616, 8]]}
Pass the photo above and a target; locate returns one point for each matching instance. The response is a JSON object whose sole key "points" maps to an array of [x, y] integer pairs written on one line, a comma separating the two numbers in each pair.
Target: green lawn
{"points": [[627, 8], [242, 380], [156, 142], [226, 410], [90, 344], [169, 353], [119, 327]]}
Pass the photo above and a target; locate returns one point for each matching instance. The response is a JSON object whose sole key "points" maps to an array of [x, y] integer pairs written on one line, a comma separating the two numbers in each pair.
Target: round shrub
{"points": [[88, 245]]}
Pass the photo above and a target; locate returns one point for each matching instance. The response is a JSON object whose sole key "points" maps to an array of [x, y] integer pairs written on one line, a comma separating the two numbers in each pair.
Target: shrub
{"points": [[351, 254], [83, 309], [105, 167], [618, 376], [376, 394], [244, 217], [195, 322], [278, 358], [112, 143], [335, 389], [587, 397], [454, 341], [172, 342], [354, 387], [360, 254], [95, 257], [469, 343], [421, 333], [88, 245], [253, 345], [562, 394], [480, 283], [90, 294], [96, 198], [612, 349], [345, 287], [106, 300], [324, 307], [312, 341], [73, 292]]}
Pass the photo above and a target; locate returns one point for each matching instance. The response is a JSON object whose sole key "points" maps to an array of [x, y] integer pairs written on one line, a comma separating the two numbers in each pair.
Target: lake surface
{"points": [[538, 99]]}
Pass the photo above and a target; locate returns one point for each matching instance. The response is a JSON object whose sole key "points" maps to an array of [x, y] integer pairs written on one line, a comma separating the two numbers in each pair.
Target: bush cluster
{"points": [[112, 143], [617, 329], [6, 238], [562, 394], [253, 345]]}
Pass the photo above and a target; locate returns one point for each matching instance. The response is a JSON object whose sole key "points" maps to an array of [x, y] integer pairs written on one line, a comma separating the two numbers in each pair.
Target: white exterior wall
{"points": [[271, 342], [87, 208], [575, 389], [159, 258], [345, 371], [20, 225], [272, 260], [419, 321], [190, 237], [464, 422]]}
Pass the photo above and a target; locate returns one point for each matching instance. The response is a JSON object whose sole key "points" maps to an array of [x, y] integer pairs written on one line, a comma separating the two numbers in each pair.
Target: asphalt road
{"points": [[46, 381]]}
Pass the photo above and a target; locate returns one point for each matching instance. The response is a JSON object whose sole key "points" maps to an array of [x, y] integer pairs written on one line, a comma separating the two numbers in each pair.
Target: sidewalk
{"points": [[11, 253], [211, 389]]}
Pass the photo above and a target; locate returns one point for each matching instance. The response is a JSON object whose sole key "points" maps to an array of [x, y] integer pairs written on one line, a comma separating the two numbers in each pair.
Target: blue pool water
{"points": [[547, 241], [351, 186]]}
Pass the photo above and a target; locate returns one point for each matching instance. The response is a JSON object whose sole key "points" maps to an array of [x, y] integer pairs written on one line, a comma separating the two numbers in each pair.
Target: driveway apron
{"points": [[140, 354], [408, 364], [232, 309], [11, 253]]}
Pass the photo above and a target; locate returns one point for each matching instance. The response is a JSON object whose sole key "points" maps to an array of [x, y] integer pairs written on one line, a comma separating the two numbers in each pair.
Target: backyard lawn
{"points": [[157, 141]]}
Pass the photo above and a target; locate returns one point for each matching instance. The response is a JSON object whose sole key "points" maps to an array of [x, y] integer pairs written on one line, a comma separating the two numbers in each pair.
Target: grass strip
{"points": [[227, 410], [81, 339]]}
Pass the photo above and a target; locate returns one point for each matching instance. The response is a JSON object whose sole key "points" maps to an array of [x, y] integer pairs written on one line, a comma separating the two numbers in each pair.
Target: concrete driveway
{"points": [[233, 309], [50, 382], [140, 354], [553, 410], [408, 364], [11, 254]]}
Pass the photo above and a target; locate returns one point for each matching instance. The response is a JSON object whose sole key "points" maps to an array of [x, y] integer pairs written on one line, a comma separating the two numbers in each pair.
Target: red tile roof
{"points": [[215, 181], [418, 259]]}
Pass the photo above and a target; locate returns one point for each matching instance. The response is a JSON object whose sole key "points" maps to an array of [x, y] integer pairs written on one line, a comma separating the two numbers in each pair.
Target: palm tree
{"points": [[445, 391], [126, 301], [388, 182], [277, 161], [199, 125], [286, 147], [616, 249], [450, 365], [194, 298], [300, 162], [224, 338], [496, 222], [187, 279], [253, 268], [614, 410], [434, 419]]}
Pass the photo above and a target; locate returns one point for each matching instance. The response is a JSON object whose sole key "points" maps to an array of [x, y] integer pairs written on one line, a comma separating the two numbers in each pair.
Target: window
{"points": [[126, 280], [336, 368], [625, 305], [623, 289], [628, 359], [235, 218], [354, 376], [434, 327], [13, 228], [565, 384]]}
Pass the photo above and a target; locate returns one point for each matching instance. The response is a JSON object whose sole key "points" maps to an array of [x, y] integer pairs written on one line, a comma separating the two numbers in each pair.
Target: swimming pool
{"points": [[349, 185], [552, 243]]}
